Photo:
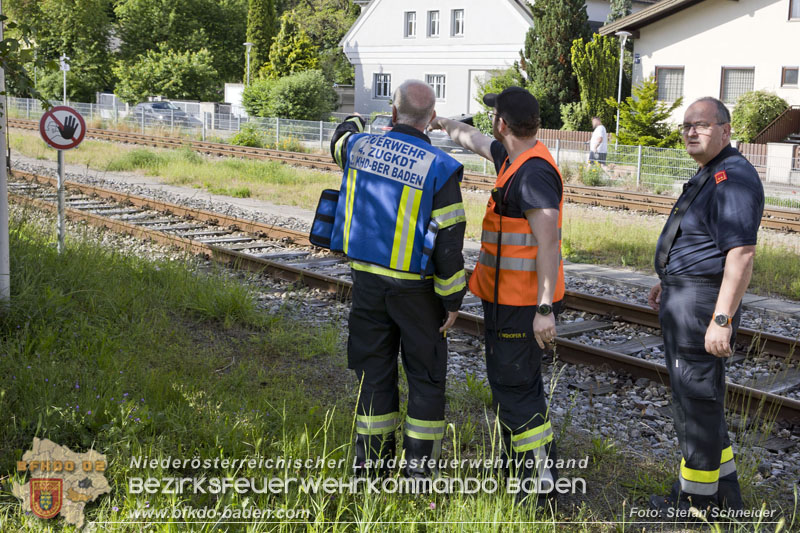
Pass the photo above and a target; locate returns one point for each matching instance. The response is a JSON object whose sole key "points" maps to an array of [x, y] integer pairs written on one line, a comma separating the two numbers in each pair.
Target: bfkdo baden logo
{"points": [[46, 496], [61, 481]]}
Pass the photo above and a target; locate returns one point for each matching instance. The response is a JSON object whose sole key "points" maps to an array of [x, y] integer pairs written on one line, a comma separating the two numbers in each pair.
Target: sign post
{"points": [[62, 128], [64, 66]]}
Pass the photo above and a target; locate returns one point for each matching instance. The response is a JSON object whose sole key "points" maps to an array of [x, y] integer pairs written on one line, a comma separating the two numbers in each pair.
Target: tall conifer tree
{"points": [[547, 57], [261, 26]]}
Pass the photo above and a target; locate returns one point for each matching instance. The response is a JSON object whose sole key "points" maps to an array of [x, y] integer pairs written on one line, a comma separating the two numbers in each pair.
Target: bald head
{"points": [[413, 103]]}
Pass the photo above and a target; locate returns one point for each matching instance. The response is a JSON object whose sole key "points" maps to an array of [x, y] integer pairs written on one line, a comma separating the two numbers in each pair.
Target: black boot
{"points": [[420, 457], [373, 455]]}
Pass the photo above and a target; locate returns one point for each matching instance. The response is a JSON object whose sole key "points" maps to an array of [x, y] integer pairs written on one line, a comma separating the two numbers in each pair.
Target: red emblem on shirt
{"points": [[720, 176]]}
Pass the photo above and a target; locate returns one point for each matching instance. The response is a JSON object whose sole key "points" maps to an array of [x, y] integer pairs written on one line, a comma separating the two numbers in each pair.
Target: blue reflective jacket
{"points": [[383, 215]]}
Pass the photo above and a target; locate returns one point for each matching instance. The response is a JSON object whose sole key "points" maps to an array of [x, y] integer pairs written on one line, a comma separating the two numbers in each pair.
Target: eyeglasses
{"points": [[699, 127]]}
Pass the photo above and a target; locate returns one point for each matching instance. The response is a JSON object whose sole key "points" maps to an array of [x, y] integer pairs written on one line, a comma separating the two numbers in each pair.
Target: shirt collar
{"points": [[725, 152], [410, 130]]}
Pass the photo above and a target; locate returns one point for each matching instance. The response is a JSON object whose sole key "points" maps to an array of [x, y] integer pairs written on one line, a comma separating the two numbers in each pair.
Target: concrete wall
{"points": [[722, 33]]}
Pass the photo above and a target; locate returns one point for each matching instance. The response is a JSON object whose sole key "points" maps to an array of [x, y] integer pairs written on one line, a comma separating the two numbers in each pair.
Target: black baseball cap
{"points": [[517, 105]]}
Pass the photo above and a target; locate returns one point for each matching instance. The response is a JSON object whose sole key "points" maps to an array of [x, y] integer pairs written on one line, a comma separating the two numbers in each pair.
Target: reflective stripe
{"points": [[348, 206], [701, 489], [727, 468], [454, 283], [405, 229], [337, 149], [424, 429], [533, 438], [383, 271], [512, 239], [700, 482], [701, 476], [727, 455], [507, 263], [450, 215], [358, 122], [376, 425]]}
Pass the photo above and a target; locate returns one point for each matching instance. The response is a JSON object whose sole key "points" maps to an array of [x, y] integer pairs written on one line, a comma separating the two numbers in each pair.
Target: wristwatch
{"points": [[544, 309], [722, 320]]}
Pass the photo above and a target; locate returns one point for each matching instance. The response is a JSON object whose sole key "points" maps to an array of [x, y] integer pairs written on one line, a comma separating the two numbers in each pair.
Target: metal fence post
{"points": [[277, 132], [28, 108], [204, 127], [171, 121], [142, 121], [639, 167], [320, 135], [238, 123], [558, 152]]}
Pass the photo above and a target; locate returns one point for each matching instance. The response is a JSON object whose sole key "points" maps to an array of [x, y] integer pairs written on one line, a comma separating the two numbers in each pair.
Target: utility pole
{"points": [[5, 270]]}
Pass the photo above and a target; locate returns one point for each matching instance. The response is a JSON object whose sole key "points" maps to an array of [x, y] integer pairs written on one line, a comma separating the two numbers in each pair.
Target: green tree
{"points": [[753, 112], [292, 50], [498, 81], [596, 65], [643, 119], [17, 59], [303, 96], [547, 54], [326, 22], [218, 26], [619, 9], [261, 23], [164, 72], [79, 29]]}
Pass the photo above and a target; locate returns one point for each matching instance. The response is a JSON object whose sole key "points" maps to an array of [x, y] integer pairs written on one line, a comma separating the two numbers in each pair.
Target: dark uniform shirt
{"points": [[535, 185], [725, 214], [447, 251]]}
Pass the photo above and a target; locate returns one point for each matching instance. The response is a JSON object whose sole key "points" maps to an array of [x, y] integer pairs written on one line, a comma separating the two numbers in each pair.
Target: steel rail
{"points": [[740, 397], [636, 314], [774, 218]]}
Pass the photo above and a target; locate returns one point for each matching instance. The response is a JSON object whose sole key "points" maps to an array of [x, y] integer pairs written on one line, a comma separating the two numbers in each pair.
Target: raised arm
{"points": [[465, 135]]}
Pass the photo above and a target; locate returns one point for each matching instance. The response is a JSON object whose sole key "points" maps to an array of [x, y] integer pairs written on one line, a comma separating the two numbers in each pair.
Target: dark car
{"points": [[440, 139], [165, 113]]}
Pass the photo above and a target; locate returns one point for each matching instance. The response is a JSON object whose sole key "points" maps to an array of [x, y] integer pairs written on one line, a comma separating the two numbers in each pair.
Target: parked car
{"points": [[440, 139], [165, 113]]}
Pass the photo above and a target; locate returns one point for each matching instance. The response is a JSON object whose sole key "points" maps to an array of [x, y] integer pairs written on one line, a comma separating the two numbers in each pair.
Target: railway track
{"points": [[285, 254], [774, 218]]}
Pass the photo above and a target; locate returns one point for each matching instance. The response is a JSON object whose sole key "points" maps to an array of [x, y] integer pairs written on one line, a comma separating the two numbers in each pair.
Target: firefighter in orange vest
{"points": [[520, 278]]}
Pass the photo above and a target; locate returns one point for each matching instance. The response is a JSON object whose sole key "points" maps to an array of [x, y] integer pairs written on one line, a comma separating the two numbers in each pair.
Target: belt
{"points": [[692, 281]]}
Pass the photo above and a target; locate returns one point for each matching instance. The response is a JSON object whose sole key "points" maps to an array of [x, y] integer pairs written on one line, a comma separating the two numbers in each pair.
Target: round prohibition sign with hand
{"points": [[62, 127]]}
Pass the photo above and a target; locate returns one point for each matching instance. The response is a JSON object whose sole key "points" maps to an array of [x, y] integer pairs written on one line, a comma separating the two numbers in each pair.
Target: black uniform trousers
{"points": [[708, 471], [514, 369], [386, 315]]}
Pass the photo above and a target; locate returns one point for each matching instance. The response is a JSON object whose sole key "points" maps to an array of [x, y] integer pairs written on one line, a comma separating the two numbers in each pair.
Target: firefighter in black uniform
{"points": [[400, 219], [704, 259]]}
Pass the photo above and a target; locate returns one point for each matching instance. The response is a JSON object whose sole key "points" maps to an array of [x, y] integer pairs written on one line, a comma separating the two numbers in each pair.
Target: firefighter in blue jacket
{"points": [[400, 220]]}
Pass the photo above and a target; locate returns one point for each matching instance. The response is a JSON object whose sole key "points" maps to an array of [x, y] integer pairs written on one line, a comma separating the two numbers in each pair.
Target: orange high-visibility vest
{"points": [[518, 282]]}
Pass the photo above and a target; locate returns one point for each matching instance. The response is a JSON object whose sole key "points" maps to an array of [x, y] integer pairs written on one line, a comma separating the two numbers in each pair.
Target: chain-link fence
{"points": [[659, 170]]}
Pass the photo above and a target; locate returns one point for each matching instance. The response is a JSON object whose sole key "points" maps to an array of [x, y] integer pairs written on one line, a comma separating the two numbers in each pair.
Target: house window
{"points": [[789, 77], [794, 9], [433, 23], [411, 24], [383, 85], [670, 83], [437, 83], [457, 23], [736, 82]]}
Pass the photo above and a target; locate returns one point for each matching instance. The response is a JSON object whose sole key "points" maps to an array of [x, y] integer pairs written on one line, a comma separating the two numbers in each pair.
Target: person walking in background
{"points": [[519, 276], [400, 219], [598, 144], [704, 259]]}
